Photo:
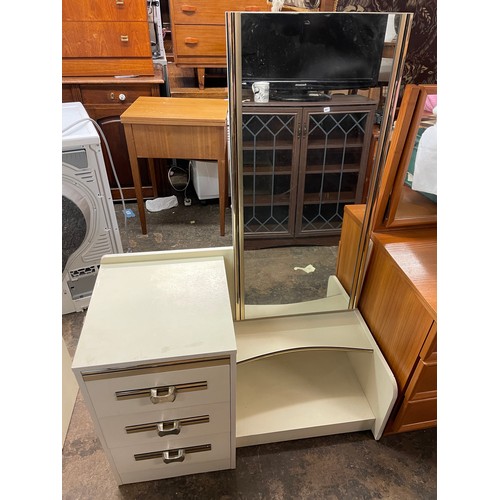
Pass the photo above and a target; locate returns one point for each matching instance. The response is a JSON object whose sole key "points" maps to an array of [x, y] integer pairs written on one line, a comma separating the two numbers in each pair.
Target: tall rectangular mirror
{"points": [[312, 100]]}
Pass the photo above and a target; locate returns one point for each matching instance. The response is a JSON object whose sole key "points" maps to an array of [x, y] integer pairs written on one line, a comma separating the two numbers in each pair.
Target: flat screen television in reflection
{"points": [[302, 53]]}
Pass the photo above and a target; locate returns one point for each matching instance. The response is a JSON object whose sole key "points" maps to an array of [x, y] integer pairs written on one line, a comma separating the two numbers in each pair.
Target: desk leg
{"points": [[152, 175], [136, 175], [222, 173]]}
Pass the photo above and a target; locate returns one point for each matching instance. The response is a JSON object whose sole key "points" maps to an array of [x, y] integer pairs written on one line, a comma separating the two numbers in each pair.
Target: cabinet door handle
{"points": [[188, 8], [120, 2], [166, 430], [123, 38], [191, 40], [167, 398], [174, 456]]}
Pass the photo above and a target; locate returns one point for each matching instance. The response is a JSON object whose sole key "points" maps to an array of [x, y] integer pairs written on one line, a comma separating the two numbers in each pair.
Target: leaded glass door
{"points": [[270, 170], [332, 169]]}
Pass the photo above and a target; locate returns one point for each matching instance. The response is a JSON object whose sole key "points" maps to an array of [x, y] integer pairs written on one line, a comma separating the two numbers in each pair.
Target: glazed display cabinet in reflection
{"points": [[302, 164]]}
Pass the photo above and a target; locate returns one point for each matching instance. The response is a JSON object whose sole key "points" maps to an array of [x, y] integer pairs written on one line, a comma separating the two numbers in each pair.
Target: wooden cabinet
{"points": [[105, 38], [398, 303], [158, 380], [302, 164], [199, 34], [105, 99]]}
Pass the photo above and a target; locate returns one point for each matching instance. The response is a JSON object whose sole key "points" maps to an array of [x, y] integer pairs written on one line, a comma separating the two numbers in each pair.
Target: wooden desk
{"points": [[169, 127]]}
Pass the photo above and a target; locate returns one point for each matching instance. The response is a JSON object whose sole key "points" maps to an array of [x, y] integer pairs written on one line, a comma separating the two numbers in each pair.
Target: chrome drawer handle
{"points": [[173, 428], [167, 398], [173, 456], [123, 38], [120, 2]]}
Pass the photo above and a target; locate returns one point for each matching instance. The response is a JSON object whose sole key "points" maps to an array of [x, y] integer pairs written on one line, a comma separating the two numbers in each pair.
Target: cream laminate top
{"points": [[154, 310]]}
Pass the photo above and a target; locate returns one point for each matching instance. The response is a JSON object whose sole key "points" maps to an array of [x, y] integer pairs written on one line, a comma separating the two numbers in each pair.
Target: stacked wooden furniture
{"points": [[102, 42], [199, 33], [105, 38], [303, 162]]}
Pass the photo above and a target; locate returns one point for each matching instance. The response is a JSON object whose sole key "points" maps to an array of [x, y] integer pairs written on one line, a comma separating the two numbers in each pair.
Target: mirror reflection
{"points": [[409, 185], [312, 90], [417, 197]]}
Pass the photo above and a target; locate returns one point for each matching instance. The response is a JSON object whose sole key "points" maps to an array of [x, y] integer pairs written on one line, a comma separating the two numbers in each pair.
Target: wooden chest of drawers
{"points": [[158, 378], [105, 38], [105, 99], [199, 33], [398, 302]]}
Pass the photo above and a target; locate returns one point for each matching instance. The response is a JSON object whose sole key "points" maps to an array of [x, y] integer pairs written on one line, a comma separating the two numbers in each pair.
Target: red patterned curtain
{"points": [[421, 58]]}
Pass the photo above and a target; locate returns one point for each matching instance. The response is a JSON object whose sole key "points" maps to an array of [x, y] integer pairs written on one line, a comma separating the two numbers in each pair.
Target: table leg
{"points": [[152, 175], [200, 73], [136, 175]]}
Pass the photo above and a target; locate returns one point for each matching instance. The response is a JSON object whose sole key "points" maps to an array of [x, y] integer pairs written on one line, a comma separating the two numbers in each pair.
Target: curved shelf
{"points": [[293, 350], [260, 338]]}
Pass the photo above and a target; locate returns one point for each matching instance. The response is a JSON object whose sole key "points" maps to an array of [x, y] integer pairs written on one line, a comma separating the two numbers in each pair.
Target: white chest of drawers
{"points": [[156, 366]]}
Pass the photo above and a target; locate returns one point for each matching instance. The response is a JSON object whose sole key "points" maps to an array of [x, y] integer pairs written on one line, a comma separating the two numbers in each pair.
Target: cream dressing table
{"points": [[174, 385]]}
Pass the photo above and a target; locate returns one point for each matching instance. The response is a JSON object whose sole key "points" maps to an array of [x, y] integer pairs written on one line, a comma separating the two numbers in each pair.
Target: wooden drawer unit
{"points": [[105, 99], [105, 38], [157, 379], [199, 32], [398, 302]]}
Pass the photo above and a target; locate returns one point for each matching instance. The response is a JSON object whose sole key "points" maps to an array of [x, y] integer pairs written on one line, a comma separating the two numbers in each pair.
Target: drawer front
{"points": [[203, 12], [114, 94], [166, 427], [423, 384], [415, 415], [187, 454], [131, 392], [91, 39], [200, 40], [104, 10]]}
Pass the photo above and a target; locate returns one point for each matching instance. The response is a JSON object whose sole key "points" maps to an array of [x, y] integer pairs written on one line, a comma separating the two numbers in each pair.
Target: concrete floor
{"points": [[347, 466]]}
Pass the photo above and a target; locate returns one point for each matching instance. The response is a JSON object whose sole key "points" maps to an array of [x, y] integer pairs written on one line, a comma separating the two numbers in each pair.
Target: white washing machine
{"points": [[89, 226]]}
